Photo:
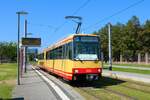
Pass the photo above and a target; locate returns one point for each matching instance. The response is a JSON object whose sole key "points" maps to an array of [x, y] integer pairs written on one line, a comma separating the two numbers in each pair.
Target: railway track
{"points": [[95, 97], [99, 97], [138, 89], [136, 86], [105, 86], [84, 87], [120, 94]]}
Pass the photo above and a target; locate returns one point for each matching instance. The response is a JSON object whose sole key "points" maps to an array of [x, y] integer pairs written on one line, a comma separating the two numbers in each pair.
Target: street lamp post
{"points": [[25, 64], [18, 48], [109, 46]]}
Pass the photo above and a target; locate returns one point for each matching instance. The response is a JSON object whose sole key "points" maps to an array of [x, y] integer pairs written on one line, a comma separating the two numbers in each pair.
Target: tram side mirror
{"points": [[36, 59], [76, 58]]}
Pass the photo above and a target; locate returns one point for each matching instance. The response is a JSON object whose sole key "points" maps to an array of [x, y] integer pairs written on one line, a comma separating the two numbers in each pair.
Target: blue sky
{"points": [[46, 15]]}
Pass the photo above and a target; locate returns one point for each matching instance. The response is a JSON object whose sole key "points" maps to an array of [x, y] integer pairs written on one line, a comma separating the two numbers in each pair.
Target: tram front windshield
{"points": [[86, 48]]}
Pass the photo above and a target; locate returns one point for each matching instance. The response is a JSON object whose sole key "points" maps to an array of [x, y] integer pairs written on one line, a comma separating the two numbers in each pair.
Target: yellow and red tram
{"points": [[75, 57]]}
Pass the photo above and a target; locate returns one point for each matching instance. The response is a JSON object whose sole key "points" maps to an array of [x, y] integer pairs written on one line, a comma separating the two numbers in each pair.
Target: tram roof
{"points": [[66, 40]]}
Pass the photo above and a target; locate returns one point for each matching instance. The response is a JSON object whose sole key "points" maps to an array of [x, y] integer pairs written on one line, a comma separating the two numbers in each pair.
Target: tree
{"points": [[118, 41], [127, 39], [133, 29], [145, 38], [104, 41], [8, 51]]}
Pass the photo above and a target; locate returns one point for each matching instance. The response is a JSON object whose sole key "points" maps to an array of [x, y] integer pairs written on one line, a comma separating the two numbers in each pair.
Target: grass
{"points": [[131, 92], [7, 79], [139, 91], [132, 65], [132, 70], [5, 91]]}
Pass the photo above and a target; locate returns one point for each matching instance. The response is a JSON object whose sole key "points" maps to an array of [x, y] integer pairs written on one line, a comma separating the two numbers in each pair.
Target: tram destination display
{"points": [[31, 42]]}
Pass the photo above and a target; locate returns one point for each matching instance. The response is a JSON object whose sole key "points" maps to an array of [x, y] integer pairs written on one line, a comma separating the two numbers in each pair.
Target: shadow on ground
{"points": [[103, 82]]}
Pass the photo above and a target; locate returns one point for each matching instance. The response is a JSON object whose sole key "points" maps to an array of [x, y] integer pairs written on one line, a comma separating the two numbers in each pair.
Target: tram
{"points": [[74, 57]]}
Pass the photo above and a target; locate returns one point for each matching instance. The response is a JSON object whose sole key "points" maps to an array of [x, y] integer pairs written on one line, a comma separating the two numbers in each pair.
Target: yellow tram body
{"points": [[64, 60]]}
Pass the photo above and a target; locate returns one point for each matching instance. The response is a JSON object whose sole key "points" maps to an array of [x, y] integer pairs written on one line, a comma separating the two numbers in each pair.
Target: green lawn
{"points": [[132, 70], [7, 79], [133, 65]]}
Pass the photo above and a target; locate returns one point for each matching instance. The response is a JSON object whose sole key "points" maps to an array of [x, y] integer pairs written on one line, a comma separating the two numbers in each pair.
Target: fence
{"points": [[140, 58]]}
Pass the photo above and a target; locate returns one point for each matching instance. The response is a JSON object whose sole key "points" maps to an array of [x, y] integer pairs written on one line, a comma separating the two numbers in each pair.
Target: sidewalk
{"points": [[39, 85], [33, 88], [127, 75]]}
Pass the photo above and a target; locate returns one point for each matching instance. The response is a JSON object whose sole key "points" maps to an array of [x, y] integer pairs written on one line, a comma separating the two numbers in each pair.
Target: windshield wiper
{"points": [[78, 59]]}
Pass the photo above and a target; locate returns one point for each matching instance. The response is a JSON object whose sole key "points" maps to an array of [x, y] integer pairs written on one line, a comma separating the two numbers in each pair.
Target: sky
{"points": [[45, 16]]}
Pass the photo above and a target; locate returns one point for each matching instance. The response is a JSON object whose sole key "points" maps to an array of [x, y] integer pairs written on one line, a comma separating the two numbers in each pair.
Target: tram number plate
{"points": [[88, 70]]}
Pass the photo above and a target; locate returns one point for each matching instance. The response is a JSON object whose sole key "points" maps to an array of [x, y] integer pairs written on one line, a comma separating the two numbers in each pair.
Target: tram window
{"points": [[63, 52], [69, 51], [50, 55], [59, 53], [56, 53], [41, 56], [47, 54]]}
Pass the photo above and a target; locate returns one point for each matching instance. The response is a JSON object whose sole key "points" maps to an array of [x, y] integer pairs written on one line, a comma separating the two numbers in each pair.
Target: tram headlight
{"points": [[76, 71], [99, 70]]}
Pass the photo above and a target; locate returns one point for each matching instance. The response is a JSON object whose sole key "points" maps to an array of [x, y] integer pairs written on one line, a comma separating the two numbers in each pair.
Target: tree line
{"points": [[8, 52], [127, 39]]}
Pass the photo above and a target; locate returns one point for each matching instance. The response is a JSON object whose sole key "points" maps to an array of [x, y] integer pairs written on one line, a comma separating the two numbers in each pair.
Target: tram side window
{"points": [[68, 51], [41, 56], [63, 52], [56, 53], [60, 52], [48, 55], [52, 54]]}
